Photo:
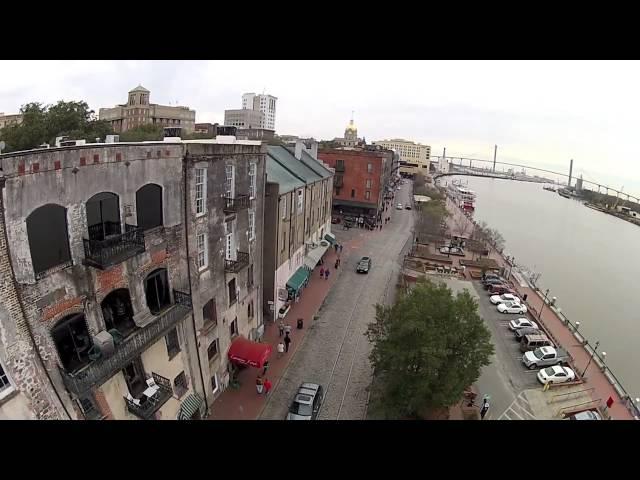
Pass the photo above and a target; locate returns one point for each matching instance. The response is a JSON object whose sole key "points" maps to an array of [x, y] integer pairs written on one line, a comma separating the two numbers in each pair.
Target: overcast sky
{"points": [[540, 113]]}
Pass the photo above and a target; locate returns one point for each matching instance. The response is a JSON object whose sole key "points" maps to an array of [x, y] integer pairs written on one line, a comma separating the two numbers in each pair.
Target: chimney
{"points": [[314, 150], [299, 148]]}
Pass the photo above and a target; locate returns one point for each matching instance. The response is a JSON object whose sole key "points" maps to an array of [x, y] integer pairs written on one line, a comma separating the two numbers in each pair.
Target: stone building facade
{"points": [[103, 274]]}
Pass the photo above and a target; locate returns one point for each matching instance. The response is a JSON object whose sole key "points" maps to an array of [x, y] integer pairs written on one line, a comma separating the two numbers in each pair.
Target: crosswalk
{"points": [[518, 410]]}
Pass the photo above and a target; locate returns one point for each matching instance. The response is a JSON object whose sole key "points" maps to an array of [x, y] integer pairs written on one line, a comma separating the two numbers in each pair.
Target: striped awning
{"points": [[190, 406]]}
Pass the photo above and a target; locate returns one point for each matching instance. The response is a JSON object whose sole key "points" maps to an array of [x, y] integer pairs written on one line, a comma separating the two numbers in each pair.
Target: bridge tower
{"points": [[570, 173], [495, 152]]}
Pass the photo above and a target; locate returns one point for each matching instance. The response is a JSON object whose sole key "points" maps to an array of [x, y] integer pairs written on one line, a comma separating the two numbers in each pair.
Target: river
{"points": [[587, 260]]}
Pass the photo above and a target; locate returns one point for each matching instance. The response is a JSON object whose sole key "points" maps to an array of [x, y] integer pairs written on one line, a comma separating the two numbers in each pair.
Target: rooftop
{"points": [[288, 160], [276, 173]]}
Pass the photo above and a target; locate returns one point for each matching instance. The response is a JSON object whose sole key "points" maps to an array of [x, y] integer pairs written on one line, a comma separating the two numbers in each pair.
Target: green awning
{"points": [[298, 279], [190, 406], [330, 238]]}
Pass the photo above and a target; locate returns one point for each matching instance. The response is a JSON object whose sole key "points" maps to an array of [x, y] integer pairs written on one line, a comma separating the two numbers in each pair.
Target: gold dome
{"points": [[351, 127]]}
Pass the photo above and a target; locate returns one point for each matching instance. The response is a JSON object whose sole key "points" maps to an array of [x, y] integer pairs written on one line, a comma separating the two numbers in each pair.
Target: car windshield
{"points": [[538, 353], [550, 371], [302, 409]]}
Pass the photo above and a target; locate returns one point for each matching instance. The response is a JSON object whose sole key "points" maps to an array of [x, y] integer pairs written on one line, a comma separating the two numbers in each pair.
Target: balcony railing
{"points": [[114, 248], [234, 266], [100, 370], [146, 407], [236, 204]]}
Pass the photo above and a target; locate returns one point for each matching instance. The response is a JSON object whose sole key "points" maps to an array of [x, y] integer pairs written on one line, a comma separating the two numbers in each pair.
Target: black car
{"points": [[492, 281], [521, 332], [364, 265], [407, 207]]}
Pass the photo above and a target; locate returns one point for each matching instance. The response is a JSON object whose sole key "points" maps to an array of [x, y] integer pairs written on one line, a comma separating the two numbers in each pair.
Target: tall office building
{"points": [[262, 103]]}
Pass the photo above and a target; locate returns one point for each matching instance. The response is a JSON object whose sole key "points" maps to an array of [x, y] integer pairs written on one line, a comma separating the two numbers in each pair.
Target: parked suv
{"points": [[306, 404]]}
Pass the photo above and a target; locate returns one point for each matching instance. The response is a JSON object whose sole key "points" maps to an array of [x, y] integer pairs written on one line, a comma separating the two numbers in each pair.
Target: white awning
{"points": [[314, 256]]}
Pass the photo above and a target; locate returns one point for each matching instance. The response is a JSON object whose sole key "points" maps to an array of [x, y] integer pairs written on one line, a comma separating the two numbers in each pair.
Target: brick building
{"points": [[126, 270], [362, 178]]}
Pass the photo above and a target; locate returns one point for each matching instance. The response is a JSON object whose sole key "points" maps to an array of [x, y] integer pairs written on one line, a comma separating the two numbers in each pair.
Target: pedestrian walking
{"points": [[336, 247], [484, 409], [326, 274], [340, 248], [265, 368], [280, 328], [280, 349], [287, 342], [321, 272], [380, 226], [337, 263], [287, 329], [259, 385], [267, 386]]}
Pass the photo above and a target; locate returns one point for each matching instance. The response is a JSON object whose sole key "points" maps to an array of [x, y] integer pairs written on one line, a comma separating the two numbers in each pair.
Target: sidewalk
{"points": [[564, 336], [245, 403]]}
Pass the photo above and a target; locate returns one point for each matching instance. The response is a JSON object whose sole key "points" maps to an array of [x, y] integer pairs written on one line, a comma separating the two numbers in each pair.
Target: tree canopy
{"points": [[427, 348], [43, 123], [143, 133]]}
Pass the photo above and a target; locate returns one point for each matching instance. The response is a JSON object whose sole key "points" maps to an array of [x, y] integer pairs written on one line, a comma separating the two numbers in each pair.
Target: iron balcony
{"points": [[236, 204], [147, 407], [99, 371], [234, 266], [114, 248]]}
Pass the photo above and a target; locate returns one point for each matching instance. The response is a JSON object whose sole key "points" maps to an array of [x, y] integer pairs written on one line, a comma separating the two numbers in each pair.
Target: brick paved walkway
{"points": [[564, 336], [245, 403]]}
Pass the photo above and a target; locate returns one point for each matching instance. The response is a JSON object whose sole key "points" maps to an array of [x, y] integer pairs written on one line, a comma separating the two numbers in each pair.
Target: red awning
{"points": [[246, 352]]}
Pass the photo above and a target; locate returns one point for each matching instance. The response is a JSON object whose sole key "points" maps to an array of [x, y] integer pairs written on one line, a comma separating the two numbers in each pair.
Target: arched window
{"points": [[48, 237], [103, 216], [156, 288], [118, 312], [149, 206], [73, 341]]}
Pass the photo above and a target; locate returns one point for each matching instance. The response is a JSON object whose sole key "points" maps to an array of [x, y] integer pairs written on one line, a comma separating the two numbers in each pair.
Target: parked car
{"points": [[512, 307], [533, 341], [586, 415], [544, 356], [364, 265], [493, 281], [505, 297], [407, 207], [306, 404], [521, 332], [522, 322], [500, 289], [490, 276], [399, 206], [556, 374]]}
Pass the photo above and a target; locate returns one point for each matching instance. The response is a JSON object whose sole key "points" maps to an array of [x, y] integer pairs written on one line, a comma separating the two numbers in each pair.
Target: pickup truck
{"points": [[545, 356]]}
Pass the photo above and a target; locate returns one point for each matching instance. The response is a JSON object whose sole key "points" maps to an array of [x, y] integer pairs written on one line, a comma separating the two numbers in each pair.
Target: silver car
{"points": [[306, 404]]}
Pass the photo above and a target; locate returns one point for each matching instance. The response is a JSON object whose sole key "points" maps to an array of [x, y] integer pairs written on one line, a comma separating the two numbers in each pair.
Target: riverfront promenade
{"points": [[562, 334]]}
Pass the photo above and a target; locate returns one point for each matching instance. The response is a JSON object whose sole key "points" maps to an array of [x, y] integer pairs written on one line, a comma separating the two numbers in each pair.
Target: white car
{"points": [[586, 415], [505, 297], [521, 323], [556, 374], [512, 307], [399, 206]]}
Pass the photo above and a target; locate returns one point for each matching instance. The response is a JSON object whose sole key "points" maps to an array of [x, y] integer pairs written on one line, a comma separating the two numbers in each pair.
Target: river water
{"points": [[587, 260]]}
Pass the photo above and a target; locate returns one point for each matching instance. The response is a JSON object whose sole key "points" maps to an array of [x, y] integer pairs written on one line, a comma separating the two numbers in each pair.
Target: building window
{"points": [[117, 312], [353, 192], [284, 240], [48, 238], [201, 190], [214, 382], [149, 206], [369, 167], [230, 242], [173, 345], [73, 341], [368, 185], [284, 208], [156, 287], [5, 384], [337, 191], [233, 293], [229, 181], [212, 350], [250, 276], [103, 215], [252, 180], [233, 328], [250, 309], [180, 386], [367, 195], [210, 314], [252, 224], [300, 201], [203, 254]]}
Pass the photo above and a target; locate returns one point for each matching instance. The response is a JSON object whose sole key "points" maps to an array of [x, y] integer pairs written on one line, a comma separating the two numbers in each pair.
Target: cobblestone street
{"points": [[335, 351]]}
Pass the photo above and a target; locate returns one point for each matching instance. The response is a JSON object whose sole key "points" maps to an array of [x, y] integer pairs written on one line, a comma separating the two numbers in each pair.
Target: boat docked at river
{"points": [[549, 188], [464, 198], [564, 193]]}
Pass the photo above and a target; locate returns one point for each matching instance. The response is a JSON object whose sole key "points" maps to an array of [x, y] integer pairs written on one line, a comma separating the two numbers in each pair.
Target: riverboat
{"points": [[464, 198]]}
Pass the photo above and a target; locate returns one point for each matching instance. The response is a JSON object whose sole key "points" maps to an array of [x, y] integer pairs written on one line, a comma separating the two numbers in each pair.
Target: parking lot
{"points": [[506, 378]]}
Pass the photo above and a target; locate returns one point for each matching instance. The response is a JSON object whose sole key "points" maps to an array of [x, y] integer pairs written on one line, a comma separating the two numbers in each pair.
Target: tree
{"points": [[427, 348], [143, 133]]}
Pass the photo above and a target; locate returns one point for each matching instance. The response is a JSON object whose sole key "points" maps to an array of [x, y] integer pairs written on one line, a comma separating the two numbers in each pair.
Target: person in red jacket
{"points": [[267, 386]]}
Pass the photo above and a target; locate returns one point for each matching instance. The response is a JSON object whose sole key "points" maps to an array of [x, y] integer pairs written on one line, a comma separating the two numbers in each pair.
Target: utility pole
{"points": [[495, 153]]}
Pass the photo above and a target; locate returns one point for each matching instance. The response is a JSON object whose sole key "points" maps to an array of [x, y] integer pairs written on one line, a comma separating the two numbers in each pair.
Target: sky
{"points": [[539, 113]]}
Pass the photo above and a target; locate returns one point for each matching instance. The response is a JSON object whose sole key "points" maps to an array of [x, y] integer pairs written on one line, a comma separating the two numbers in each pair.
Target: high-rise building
{"points": [[262, 103], [244, 118], [414, 157], [138, 111]]}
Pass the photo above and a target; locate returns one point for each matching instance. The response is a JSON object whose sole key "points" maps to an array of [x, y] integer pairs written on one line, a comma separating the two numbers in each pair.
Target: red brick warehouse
{"points": [[361, 177]]}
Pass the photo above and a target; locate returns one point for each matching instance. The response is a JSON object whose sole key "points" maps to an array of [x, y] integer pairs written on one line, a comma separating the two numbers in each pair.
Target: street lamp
{"points": [[577, 326], [604, 358], [544, 302], [595, 347]]}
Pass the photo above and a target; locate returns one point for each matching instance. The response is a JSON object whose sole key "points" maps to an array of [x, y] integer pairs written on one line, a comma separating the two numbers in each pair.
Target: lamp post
{"points": [[577, 326], [544, 302], [604, 358], [595, 347]]}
